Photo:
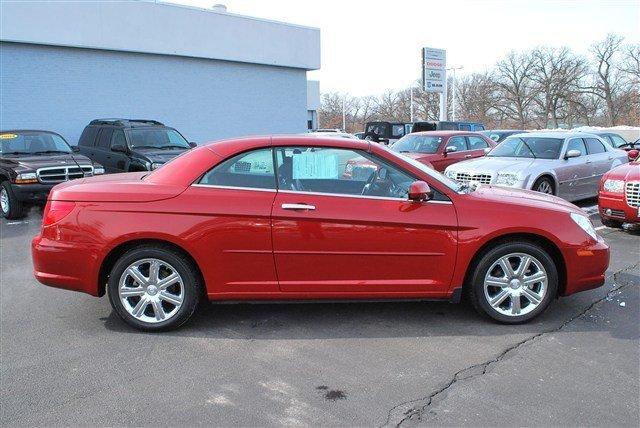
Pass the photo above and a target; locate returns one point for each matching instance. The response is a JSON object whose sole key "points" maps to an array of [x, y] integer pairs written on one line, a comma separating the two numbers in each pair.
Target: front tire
{"points": [[10, 206], [513, 282], [154, 288], [544, 185]]}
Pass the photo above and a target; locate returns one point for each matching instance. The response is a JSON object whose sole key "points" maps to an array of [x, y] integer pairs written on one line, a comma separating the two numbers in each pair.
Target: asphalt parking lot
{"points": [[68, 360]]}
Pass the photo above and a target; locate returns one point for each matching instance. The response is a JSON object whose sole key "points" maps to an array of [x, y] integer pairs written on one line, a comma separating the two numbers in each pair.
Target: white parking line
{"points": [[601, 227]]}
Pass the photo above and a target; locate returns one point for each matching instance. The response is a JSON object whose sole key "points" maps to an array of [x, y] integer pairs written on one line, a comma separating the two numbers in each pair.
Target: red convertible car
{"points": [[275, 218], [443, 148], [619, 194]]}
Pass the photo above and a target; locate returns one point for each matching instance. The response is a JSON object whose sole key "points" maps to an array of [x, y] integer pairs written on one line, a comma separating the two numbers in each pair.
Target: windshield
{"points": [[528, 147], [32, 142], [456, 187], [157, 138], [417, 144]]}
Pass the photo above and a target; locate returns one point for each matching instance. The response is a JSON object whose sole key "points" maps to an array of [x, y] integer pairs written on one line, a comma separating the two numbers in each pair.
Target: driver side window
{"points": [[577, 144], [339, 171]]}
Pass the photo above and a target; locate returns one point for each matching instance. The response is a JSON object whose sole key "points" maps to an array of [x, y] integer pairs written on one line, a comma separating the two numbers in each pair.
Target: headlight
{"points": [[26, 178], [98, 170], [156, 165], [585, 224], [614, 186], [507, 178]]}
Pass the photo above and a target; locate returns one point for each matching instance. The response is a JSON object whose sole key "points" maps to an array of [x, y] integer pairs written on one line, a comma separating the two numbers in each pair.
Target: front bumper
{"points": [[586, 266], [614, 207], [32, 193]]}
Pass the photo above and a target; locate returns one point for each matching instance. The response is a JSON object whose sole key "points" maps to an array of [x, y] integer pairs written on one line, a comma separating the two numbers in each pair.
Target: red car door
{"points": [[477, 146], [460, 154], [337, 236]]}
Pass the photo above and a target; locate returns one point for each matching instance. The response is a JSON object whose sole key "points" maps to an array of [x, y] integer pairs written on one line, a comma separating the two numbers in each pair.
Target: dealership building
{"points": [[208, 73]]}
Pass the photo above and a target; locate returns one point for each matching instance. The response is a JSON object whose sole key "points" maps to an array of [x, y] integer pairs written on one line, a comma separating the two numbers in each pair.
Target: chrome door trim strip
{"points": [[342, 195], [215, 186]]}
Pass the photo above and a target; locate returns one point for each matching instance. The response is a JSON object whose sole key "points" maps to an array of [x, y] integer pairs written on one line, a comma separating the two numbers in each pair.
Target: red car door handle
{"points": [[468, 156], [296, 207]]}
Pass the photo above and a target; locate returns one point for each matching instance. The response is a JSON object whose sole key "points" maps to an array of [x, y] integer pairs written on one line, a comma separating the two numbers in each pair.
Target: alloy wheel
{"points": [[515, 284], [4, 200], [151, 290], [545, 187]]}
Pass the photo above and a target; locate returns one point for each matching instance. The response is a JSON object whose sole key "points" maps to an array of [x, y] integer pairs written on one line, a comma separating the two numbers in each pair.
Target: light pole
{"points": [[453, 90]]}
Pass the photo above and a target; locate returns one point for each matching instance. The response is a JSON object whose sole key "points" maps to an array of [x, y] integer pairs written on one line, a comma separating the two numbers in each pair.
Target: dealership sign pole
{"points": [[434, 75]]}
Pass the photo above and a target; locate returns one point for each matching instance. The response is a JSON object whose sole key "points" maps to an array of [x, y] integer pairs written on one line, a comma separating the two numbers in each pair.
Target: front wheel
{"points": [[154, 288], [514, 282], [544, 185], [10, 206]]}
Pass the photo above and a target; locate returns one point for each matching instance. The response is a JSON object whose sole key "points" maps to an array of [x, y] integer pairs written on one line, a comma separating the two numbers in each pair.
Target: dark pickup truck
{"points": [[31, 163]]}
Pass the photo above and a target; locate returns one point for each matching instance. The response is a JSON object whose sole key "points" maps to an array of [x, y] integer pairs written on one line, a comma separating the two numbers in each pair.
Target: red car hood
{"points": [[128, 187], [507, 195], [627, 172]]}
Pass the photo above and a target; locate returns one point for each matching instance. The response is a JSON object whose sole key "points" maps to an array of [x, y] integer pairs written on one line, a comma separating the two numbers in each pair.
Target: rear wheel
{"points": [[514, 282], [10, 206], [544, 185], [154, 288]]}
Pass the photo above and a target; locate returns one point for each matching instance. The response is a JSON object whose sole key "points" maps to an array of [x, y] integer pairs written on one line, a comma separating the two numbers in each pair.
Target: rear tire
{"points": [[10, 207], [518, 292], [544, 185], [154, 288]]}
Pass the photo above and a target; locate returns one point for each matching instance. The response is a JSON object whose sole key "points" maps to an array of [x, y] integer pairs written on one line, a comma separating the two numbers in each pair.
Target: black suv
{"points": [[31, 163], [126, 145]]}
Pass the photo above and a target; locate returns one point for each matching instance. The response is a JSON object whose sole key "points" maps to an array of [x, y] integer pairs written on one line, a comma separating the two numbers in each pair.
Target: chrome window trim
{"points": [[343, 195], [295, 192], [217, 186]]}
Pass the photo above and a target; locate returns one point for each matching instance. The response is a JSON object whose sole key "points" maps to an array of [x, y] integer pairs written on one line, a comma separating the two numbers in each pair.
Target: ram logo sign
{"points": [[434, 74]]}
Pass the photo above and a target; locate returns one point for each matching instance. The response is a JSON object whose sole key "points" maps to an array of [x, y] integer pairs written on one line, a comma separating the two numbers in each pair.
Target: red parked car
{"points": [[619, 194], [443, 148], [276, 219]]}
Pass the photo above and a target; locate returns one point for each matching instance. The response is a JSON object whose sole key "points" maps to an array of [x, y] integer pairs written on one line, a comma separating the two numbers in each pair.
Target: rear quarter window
{"points": [[88, 136]]}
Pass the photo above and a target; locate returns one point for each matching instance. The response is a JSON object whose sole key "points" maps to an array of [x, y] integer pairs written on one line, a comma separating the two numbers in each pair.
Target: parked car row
{"points": [[32, 161]]}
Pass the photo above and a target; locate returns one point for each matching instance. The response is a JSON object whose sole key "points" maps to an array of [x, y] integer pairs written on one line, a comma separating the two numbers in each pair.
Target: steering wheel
{"points": [[370, 180]]}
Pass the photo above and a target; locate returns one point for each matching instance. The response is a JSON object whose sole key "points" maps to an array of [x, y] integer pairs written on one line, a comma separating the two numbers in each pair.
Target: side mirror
{"points": [[192, 144], [487, 150], [75, 149], [633, 154], [419, 191], [118, 148], [450, 149], [573, 154]]}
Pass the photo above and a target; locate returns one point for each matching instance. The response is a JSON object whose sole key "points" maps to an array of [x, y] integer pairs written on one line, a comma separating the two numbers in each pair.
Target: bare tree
{"points": [[516, 90], [607, 80]]}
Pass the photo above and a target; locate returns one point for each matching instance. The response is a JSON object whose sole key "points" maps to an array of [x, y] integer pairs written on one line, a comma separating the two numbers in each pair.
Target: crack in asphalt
{"points": [[481, 368]]}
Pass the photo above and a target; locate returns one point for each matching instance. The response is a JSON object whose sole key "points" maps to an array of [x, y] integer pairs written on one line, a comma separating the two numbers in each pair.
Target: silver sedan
{"points": [[566, 164]]}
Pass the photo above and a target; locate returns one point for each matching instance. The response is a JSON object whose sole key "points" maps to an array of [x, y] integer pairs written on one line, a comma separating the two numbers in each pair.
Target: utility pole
{"points": [[344, 114], [453, 90]]}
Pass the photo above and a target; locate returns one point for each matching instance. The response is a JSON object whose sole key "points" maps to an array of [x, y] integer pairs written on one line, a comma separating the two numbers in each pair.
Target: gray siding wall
{"points": [[62, 89]]}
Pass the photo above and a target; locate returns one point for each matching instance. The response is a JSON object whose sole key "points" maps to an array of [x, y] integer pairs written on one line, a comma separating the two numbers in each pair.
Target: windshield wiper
{"points": [[14, 153], [174, 147], [528, 147], [145, 147], [39, 152]]}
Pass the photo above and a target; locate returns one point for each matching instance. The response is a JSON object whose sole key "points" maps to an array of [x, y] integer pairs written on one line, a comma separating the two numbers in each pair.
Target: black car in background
{"points": [[31, 163], [126, 145], [498, 135]]}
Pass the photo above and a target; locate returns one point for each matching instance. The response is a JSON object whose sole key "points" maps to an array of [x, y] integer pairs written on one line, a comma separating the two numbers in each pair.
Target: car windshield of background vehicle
{"points": [[528, 147], [32, 143], [417, 144], [154, 138], [453, 185]]}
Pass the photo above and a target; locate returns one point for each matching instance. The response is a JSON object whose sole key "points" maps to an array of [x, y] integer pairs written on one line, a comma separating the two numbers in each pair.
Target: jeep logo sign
{"points": [[434, 74]]}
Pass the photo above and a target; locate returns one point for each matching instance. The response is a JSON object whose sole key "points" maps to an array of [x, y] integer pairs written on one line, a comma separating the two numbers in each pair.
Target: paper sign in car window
{"points": [[314, 165], [8, 136]]}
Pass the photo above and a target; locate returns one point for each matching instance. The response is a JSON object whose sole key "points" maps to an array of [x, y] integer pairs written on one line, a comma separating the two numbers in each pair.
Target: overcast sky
{"points": [[369, 46]]}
